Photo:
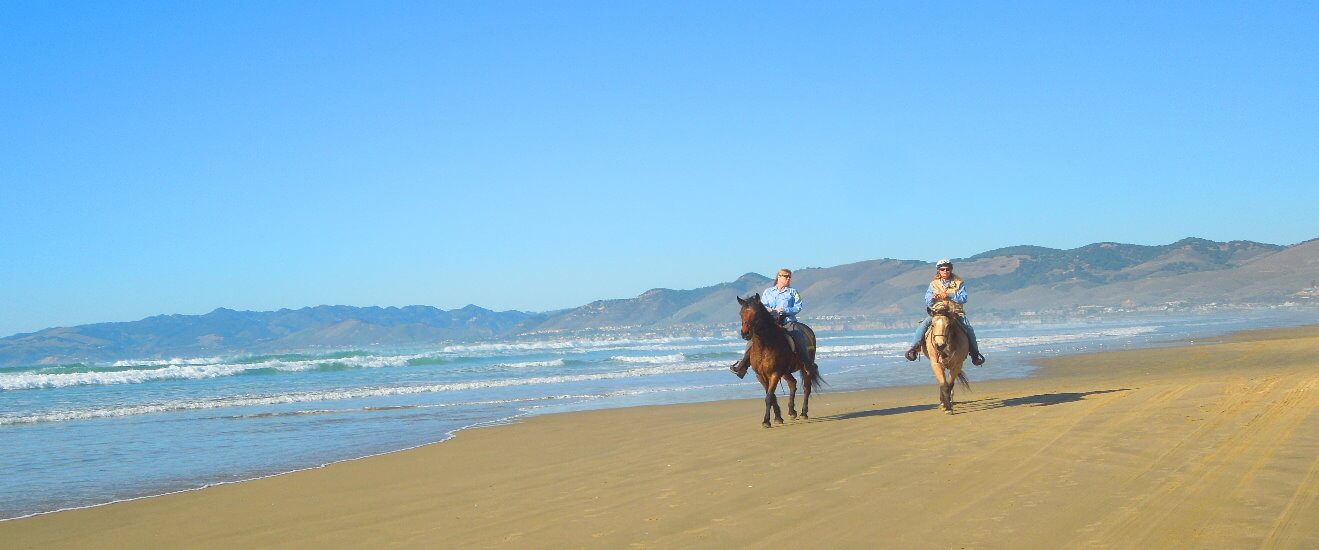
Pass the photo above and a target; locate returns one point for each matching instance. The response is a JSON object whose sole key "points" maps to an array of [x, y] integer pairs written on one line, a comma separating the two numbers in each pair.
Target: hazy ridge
{"points": [[1006, 284]]}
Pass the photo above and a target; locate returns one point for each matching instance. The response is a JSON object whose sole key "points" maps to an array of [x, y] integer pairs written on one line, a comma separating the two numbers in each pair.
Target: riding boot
{"points": [[919, 339], [740, 367], [806, 358], [911, 353], [976, 358], [798, 341]]}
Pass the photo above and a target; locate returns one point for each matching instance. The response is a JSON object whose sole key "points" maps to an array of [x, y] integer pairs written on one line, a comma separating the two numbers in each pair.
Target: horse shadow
{"points": [[878, 412], [978, 405], [1038, 400]]}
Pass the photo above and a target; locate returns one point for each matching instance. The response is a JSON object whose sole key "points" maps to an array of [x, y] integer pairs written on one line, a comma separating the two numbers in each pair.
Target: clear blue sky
{"points": [[176, 157]]}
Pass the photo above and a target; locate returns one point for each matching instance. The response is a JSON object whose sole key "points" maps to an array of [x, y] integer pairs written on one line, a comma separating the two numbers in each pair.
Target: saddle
{"points": [[943, 309], [788, 327], [797, 340]]}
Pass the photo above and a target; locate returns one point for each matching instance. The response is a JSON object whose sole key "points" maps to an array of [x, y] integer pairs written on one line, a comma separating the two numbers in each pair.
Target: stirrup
{"points": [[977, 359]]}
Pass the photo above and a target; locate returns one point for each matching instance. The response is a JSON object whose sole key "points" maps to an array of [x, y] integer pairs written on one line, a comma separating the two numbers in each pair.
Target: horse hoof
{"points": [[793, 416], [765, 424], [804, 417], [778, 420]]}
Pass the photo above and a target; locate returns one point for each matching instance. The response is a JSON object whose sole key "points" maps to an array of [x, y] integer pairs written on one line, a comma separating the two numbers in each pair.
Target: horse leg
{"points": [[953, 373], [771, 402], [946, 396], [939, 378], [774, 398], [792, 395]]}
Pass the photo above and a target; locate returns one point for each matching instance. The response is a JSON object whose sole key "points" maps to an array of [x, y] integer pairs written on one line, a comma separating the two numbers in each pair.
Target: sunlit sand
{"points": [[1212, 444]]}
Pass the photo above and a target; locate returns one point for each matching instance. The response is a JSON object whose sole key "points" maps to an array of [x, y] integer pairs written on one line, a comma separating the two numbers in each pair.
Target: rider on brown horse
{"points": [[946, 287], [784, 302]]}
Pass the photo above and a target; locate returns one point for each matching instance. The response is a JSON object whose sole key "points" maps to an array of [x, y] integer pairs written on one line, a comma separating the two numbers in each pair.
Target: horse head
{"points": [[751, 307], [940, 331]]}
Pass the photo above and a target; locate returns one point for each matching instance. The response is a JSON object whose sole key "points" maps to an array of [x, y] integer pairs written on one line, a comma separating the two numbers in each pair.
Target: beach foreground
{"points": [[1215, 444]]}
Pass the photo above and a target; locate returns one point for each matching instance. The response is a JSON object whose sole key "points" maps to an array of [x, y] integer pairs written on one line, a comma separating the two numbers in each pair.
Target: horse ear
{"points": [[754, 297], [741, 301]]}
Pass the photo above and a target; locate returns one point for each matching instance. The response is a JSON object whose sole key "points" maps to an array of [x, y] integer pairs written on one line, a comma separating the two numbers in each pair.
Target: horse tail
{"points": [[961, 374], [813, 370]]}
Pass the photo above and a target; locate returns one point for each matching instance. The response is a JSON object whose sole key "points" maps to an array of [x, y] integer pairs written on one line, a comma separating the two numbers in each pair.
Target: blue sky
{"points": [[179, 157]]}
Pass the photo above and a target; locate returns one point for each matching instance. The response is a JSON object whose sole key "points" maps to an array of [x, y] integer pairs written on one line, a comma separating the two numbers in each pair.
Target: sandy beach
{"points": [[1203, 445]]}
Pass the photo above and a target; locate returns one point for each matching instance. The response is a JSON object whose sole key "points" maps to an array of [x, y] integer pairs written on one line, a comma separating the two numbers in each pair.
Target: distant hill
{"points": [[225, 332], [1006, 283], [659, 306]]}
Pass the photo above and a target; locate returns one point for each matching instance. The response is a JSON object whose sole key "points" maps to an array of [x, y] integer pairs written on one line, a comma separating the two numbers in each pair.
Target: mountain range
{"points": [[1005, 284]]}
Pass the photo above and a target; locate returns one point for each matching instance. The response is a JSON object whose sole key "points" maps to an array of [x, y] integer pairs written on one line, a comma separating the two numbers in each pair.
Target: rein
{"points": [[763, 325], [949, 330]]}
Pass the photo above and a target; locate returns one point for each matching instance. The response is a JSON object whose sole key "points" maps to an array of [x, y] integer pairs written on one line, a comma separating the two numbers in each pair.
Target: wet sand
{"points": [[1208, 445]]}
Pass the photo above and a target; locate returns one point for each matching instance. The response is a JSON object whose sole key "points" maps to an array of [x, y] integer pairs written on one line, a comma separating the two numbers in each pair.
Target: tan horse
{"points": [[947, 347]]}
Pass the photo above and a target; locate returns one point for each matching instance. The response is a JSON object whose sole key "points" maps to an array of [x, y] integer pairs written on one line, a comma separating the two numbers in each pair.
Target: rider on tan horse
{"points": [[785, 303], [949, 288]]}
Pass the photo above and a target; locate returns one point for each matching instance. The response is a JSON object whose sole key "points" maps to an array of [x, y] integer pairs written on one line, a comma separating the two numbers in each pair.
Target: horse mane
{"points": [[940, 308], [764, 321]]}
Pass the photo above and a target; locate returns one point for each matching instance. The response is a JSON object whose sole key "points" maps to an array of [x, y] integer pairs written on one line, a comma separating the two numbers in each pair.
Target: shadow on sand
{"points": [[1039, 400], [878, 412], [978, 405]]}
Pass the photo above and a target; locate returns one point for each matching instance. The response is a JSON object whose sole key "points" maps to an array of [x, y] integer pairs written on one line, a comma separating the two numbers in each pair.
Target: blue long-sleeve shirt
{"points": [[958, 297], [788, 299]]}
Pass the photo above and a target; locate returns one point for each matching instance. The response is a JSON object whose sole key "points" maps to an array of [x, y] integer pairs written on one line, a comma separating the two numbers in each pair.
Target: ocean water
{"points": [[83, 435]]}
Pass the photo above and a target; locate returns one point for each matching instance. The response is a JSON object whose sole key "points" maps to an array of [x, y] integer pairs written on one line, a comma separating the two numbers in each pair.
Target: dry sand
{"points": [[1214, 445]]}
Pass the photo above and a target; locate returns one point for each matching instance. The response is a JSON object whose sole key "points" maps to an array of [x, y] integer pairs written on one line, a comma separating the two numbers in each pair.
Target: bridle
{"points": [[943, 333], [748, 325]]}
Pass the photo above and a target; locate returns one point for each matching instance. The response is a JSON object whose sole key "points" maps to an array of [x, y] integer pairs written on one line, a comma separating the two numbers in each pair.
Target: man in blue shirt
{"points": [[785, 303], [947, 287]]}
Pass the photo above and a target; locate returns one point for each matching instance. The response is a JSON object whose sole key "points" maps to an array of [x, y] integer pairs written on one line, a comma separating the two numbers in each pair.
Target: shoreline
{"points": [[448, 436], [690, 436]]}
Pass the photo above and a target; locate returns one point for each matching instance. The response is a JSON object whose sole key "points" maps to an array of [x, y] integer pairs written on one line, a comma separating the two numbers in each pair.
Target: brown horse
{"points": [[773, 359], [947, 347]]}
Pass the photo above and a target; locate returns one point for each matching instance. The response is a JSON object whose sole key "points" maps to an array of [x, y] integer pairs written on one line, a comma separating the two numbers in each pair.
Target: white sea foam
{"points": [[671, 358], [857, 350], [587, 344], [487, 402], [166, 362], [202, 369], [353, 393], [1046, 339], [28, 381], [886, 348], [532, 364], [187, 371], [205, 368]]}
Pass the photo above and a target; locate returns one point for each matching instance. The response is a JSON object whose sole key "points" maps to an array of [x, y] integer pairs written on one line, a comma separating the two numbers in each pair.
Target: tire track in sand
{"points": [[1251, 420]]}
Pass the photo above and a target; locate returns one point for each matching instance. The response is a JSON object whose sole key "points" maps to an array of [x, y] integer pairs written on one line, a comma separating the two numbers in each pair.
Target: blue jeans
{"points": [[970, 334]]}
